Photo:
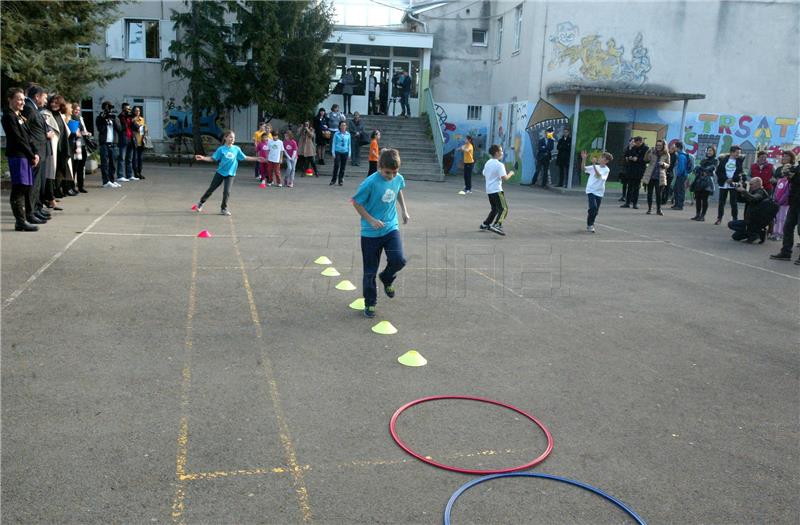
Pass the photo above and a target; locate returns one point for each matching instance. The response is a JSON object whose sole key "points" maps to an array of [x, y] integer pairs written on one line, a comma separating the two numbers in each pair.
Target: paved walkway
{"points": [[149, 376]]}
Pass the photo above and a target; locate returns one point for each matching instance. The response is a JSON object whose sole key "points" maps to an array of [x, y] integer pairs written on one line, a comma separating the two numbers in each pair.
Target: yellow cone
{"points": [[384, 328], [330, 271], [412, 358], [323, 260], [346, 286], [358, 304]]}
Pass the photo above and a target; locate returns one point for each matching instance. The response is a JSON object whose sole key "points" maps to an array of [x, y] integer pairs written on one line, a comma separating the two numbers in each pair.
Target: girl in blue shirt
{"points": [[228, 157], [340, 148]]}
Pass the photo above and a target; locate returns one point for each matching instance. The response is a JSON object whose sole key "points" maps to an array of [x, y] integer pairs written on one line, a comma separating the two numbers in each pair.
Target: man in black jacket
{"points": [[40, 136], [792, 218], [730, 169], [564, 148], [107, 127], [544, 154], [749, 229], [635, 166]]}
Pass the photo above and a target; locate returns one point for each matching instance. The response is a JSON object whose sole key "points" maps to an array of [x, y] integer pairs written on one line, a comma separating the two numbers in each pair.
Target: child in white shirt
{"points": [[274, 157], [495, 173], [596, 185]]}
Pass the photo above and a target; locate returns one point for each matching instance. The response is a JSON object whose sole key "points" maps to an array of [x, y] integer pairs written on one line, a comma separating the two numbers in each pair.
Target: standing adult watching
{"points": [[322, 134], [730, 168], [564, 149], [404, 82], [340, 149], [22, 157], [107, 127], [544, 154], [358, 137], [40, 137], [793, 215], [348, 82], [125, 144], [59, 148], [372, 89], [683, 167], [139, 132], [762, 169], [635, 171], [656, 171], [77, 140], [623, 176], [306, 148], [667, 192]]}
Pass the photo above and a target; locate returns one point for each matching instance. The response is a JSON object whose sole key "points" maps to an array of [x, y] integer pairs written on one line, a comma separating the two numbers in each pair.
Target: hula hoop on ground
{"points": [[429, 461], [568, 481]]}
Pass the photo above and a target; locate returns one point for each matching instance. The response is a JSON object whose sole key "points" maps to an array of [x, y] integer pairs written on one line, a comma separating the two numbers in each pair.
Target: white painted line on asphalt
{"points": [[192, 235], [16, 293], [671, 243]]}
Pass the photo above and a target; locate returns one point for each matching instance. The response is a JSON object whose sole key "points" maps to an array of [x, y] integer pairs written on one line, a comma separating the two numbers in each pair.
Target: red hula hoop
{"points": [[405, 447]]}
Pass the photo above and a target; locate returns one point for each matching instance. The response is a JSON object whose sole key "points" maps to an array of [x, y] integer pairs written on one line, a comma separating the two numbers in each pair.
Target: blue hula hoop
{"points": [[466, 486]]}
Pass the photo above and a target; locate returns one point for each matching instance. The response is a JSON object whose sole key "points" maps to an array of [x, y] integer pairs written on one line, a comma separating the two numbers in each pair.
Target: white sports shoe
{"points": [[109, 184], [590, 229], [134, 178], [122, 179], [116, 184]]}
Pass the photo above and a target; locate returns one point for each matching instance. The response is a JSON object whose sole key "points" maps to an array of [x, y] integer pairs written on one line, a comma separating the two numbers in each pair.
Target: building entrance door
{"points": [[359, 68], [379, 70]]}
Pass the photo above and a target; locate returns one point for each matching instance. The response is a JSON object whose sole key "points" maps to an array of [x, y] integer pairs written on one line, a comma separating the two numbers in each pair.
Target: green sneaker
{"points": [[389, 289], [369, 311]]}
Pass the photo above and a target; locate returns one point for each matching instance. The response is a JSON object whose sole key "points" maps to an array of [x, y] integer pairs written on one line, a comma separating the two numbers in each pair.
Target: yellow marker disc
{"points": [[384, 328], [346, 286], [323, 260], [358, 304], [330, 271], [412, 358]]}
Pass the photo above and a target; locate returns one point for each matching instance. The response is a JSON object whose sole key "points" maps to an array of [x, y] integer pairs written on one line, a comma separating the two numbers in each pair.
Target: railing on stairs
{"points": [[429, 107]]}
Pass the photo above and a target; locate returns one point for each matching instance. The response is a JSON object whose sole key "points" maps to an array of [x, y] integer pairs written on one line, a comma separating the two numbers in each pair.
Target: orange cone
{"points": [[309, 172], [205, 234]]}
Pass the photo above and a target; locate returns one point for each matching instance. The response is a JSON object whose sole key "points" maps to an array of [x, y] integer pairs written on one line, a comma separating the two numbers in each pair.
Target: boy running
{"points": [[228, 157], [376, 202], [495, 173], [596, 185]]}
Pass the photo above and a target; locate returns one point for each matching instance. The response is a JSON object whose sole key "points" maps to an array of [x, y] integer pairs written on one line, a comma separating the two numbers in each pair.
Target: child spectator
{"points": [[495, 173], [275, 148], [374, 151], [376, 202], [290, 149], [261, 152], [469, 163], [228, 157], [595, 185], [782, 194]]}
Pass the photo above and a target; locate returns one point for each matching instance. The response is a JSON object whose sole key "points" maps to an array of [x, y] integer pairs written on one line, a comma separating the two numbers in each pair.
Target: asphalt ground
{"points": [[149, 376]]}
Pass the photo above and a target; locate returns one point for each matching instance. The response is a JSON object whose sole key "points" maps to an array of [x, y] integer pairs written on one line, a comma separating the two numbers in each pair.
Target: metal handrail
{"points": [[429, 107]]}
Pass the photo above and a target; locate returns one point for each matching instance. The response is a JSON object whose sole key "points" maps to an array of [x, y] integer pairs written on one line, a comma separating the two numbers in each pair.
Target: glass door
{"points": [[359, 67], [379, 75], [398, 66]]}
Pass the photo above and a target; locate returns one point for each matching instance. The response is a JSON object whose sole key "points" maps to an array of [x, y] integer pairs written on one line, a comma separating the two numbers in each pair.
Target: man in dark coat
{"points": [[635, 166], [564, 148], [40, 136], [544, 153]]}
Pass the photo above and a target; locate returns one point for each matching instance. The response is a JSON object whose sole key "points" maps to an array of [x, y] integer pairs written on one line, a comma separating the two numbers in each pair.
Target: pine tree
{"points": [[39, 44], [204, 55]]}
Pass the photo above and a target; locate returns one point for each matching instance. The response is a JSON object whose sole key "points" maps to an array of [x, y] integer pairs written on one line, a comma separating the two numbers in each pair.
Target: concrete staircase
{"points": [[410, 136]]}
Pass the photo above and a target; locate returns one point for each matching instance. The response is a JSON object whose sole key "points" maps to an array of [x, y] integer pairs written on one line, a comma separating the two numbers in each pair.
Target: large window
{"points": [[499, 36], [518, 28], [143, 40]]}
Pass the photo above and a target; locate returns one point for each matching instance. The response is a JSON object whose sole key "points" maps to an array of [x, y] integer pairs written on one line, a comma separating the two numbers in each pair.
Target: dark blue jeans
{"points": [[594, 208], [371, 248], [468, 175], [680, 191], [404, 107], [125, 157], [107, 153]]}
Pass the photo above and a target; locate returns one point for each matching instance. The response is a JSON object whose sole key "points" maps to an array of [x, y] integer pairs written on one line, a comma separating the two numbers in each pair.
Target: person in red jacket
{"points": [[762, 170]]}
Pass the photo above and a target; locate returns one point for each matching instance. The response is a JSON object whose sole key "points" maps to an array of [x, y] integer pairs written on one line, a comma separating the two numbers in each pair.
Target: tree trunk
{"points": [[195, 89]]}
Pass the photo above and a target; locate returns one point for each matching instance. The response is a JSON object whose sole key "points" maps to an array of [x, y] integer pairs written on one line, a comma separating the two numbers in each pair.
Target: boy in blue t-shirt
{"points": [[228, 157], [376, 202]]}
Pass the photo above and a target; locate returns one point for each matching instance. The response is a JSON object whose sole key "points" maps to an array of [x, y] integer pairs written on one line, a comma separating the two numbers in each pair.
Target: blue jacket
{"points": [[688, 165], [340, 143]]}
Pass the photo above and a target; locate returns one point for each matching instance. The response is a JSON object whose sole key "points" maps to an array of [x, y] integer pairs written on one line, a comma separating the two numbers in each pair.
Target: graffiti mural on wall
{"points": [[178, 122], [587, 59], [455, 134]]}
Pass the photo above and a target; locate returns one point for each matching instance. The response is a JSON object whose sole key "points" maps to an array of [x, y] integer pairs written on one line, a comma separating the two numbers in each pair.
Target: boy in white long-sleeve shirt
{"points": [[495, 173]]}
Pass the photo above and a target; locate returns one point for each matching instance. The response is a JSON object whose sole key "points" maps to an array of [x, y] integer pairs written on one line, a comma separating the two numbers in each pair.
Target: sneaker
{"points": [[369, 311], [462, 192], [797, 262], [134, 178], [198, 207], [389, 289], [224, 211], [497, 229], [484, 226], [109, 184], [781, 256], [122, 179], [116, 184], [469, 191], [625, 206], [590, 229], [280, 185]]}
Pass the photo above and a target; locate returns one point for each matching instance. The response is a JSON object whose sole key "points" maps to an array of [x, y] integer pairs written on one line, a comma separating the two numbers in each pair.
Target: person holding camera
{"points": [[107, 127], [753, 226], [634, 169], [730, 169], [126, 144]]}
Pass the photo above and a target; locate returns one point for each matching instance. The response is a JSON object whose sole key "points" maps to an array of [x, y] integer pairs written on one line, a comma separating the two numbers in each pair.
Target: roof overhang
{"points": [[652, 94], [380, 37]]}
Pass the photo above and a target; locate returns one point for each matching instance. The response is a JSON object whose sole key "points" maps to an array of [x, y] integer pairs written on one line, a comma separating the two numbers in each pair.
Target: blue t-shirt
{"points": [[379, 197], [228, 158]]}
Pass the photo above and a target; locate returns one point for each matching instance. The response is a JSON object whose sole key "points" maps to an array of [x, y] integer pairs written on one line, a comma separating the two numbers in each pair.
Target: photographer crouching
{"points": [[754, 225]]}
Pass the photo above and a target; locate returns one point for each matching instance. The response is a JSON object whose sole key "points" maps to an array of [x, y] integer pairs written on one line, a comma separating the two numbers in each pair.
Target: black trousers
{"points": [[543, 170], [723, 194], [79, 169], [373, 167], [499, 209], [21, 202], [701, 202], [37, 191], [792, 221], [468, 175], [651, 187], [624, 183], [339, 164], [632, 195], [563, 171], [226, 189]]}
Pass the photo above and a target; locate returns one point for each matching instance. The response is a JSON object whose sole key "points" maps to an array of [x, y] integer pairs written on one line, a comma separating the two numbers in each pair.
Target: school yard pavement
{"points": [[150, 376]]}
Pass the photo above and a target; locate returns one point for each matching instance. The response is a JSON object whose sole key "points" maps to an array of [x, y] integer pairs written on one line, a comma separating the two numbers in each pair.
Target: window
{"points": [[143, 40], [474, 112], [479, 37], [499, 36], [411, 52], [83, 50], [518, 28]]}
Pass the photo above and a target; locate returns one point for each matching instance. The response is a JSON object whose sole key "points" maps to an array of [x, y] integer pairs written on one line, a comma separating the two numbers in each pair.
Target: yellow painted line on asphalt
{"points": [[178, 501], [222, 474], [16, 293], [300, 489]]}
